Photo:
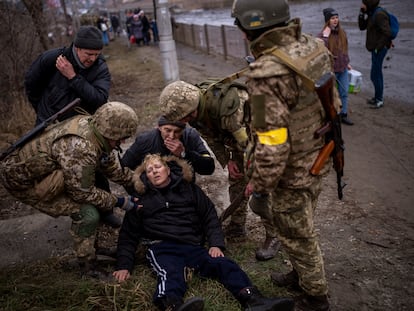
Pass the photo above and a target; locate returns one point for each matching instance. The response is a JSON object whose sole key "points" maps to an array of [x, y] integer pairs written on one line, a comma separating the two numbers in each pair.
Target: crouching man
{"points": [[55, 172]]}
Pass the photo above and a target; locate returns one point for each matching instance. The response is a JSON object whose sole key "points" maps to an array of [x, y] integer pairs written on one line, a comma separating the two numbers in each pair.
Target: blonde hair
{"points": [[155, 157]]}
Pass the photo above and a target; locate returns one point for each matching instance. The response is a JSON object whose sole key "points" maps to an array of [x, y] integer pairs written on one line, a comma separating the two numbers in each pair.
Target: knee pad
{"points": [[85, 223]]}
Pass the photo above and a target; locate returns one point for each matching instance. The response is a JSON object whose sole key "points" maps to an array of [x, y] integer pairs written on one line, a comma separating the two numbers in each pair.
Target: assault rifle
{"points": [[38, 129], [332, 130], [234, 205]]}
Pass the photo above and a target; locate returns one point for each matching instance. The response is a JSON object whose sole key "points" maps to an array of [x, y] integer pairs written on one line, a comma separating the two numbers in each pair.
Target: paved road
{"points": [[399, 64]]}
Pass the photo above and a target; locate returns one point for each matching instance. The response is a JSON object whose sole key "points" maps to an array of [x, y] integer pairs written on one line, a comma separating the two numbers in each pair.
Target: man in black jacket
{"points": [[58, 76], [171, 138], [175, 218]]}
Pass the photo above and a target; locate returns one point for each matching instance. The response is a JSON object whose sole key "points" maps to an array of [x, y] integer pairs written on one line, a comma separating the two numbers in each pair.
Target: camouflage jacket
{"points": [[283, 113], [217, 126], [77, 150]]}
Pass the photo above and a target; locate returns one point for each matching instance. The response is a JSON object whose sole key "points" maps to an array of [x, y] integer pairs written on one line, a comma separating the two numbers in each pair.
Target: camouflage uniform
{"points": [[55, 173], [284, 117], [217, 127], [217, 112]]}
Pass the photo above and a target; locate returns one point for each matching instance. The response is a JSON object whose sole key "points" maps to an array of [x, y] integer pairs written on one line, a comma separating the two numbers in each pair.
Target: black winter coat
{"points": [[49, 91], [180, 213], [152, 142]]}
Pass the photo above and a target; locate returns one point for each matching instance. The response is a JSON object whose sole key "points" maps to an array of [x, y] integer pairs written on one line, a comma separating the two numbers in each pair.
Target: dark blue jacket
{"points": [[180, 212], [49, 91]]}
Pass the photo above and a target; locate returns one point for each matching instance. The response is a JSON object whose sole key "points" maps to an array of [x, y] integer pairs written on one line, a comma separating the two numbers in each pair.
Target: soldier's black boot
{"points": [[252, 300], [312, 303], [269, 249]]}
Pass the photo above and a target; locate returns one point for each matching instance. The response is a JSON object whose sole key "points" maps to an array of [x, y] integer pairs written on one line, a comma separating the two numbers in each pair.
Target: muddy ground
{"points": [[367, 238]]}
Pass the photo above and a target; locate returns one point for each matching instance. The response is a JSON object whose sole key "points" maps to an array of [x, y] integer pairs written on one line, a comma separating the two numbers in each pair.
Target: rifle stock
{"points": [[234, 205], [334, 143], [38, 129], [322, 157]]}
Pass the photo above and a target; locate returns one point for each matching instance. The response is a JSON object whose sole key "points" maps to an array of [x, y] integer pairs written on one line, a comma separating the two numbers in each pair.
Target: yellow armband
{"points": [[274, 137]]}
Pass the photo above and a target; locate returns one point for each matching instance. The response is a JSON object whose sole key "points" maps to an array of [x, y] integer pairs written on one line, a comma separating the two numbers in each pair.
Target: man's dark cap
{"points": [[163, 121], [88, 37]]}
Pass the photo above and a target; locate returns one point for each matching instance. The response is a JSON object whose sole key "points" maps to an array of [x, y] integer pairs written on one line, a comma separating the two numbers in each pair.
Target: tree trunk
{"points": [[35, 9]]}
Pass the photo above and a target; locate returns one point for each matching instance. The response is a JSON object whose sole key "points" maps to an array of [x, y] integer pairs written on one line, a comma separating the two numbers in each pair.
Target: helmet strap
{"points": [[101, 140]]}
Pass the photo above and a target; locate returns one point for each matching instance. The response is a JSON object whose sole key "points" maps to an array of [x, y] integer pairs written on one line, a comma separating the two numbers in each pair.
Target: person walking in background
{"points": [[115, 25], [103, 26], [378, 41], [59, 76], [129, 16], [145, 27], [175, 219], [154, 29], [171, 138], [137, 29], [221, 124], [283, 114], [55, 173], [336, 41]]}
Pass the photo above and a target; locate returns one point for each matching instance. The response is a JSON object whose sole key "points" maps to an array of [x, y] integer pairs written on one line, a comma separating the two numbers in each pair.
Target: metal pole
{"points": [[167, 44]]}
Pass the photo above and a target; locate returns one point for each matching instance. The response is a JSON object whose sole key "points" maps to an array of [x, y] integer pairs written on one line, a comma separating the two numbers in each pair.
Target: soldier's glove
{"points": [[127, 203], [259, 204], [241, 137]]}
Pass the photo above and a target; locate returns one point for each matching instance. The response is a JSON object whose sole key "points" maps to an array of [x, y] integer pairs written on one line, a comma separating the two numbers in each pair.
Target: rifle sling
{"points": [[297, 65]]}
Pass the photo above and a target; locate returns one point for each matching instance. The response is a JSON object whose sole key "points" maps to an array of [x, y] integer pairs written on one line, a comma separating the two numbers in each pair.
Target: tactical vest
{"points": [[313, 59], [37, 154]]}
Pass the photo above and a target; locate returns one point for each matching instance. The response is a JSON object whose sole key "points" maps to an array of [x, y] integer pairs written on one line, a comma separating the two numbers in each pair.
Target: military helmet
{"points": [[178, 99], [115, 120], [258, 14]]}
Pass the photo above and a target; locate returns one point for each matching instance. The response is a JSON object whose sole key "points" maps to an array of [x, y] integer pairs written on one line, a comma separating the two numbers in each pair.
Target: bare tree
{"points": [[35, 9]]}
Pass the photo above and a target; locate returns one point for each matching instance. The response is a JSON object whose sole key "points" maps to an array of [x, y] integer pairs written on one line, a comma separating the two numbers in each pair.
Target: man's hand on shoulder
{"points": [[65, 67]]}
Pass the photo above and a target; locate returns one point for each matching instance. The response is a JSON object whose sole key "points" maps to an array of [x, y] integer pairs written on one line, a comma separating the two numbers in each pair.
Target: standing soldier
{"points": [[221, 123], [55, 172], [284, 114]]}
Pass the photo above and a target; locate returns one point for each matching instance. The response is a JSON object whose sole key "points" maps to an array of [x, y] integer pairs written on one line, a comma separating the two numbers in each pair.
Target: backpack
{"points": [[394, 24], [219, 97]]}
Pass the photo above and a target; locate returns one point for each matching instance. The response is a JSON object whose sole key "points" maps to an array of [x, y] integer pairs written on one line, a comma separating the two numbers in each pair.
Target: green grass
{"points": [[52, 285]]}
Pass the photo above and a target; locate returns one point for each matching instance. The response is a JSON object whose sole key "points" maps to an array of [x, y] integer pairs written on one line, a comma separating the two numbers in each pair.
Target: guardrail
{"points": [[224, 40]]}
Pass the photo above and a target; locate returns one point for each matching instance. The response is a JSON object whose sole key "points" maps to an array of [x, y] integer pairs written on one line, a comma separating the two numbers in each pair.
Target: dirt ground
{"points": [[367, 238]]}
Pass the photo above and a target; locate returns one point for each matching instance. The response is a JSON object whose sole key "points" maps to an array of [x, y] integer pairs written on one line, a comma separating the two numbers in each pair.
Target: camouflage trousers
{"points": [[48, 196], [236, 188], [293, 212]]}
